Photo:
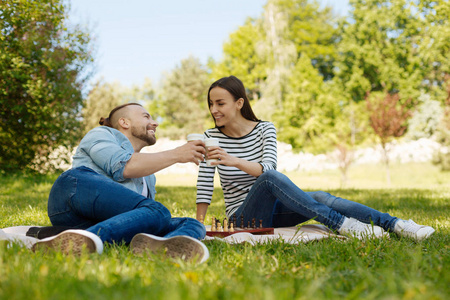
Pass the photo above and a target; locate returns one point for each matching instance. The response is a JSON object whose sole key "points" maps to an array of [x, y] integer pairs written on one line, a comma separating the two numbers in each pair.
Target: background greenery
{"points": [[306, 70], [395, 268], [310, 72]]}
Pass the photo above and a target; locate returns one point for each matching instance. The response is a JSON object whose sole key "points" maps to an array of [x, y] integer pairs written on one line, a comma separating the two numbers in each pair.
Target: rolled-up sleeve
{"points": [[269, 159], [108, 151]]}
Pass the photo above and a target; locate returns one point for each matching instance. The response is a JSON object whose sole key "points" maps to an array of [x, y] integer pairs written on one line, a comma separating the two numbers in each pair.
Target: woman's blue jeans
{"points": [[278, 202], [82, 198]]}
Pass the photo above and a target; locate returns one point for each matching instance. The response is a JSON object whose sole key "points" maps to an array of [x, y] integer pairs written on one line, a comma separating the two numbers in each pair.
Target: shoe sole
{"points": [[71, 242], [427, 232], [183, 247]]}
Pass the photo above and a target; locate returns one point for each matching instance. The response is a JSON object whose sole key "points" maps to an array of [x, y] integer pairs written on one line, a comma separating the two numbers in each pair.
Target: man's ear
{"points": [[124, 123]]}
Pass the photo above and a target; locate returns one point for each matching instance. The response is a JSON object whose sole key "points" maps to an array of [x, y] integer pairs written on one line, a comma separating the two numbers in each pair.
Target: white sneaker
{"points": [[354, 228], [411, 229], [71, 241], [182, 246]]}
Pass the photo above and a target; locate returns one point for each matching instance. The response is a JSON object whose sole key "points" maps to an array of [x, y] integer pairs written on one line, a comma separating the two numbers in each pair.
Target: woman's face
{"points": [[223, 107]]}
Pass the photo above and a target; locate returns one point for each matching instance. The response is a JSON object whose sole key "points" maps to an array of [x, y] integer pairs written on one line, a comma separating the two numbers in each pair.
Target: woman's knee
{"points": [[322, 197], [270, 175]]}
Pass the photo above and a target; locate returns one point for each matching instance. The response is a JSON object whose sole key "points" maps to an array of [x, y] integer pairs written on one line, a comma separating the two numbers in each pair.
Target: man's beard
{"points": [[150, 140]]}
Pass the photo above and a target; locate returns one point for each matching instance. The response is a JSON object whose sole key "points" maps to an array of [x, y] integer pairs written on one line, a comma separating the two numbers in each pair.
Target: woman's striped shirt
{"points": [[260, 146]]}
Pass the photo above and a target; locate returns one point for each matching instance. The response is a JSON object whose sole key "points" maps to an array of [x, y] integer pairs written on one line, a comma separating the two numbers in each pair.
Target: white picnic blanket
{"points": [[292, 235]]}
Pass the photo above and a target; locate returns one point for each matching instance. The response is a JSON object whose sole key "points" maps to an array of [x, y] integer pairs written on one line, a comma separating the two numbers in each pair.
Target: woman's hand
{"points": [[223, 158]]}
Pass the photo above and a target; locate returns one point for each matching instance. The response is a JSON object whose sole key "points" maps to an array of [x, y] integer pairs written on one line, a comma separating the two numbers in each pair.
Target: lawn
{"points": [[389, 268]]}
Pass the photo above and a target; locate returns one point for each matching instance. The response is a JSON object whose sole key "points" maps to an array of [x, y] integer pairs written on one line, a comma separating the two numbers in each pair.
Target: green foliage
{"points": [[264, 51], [43, 66], [434, 45], [379, 51], [425, 119], [182, 105], [442, 157], [102, 98], [327, 269], [309, 110], [241, 59]]}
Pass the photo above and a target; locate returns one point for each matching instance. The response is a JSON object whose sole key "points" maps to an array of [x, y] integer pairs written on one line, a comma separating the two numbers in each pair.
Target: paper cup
{"points": [[209, 142], [195, 137]]}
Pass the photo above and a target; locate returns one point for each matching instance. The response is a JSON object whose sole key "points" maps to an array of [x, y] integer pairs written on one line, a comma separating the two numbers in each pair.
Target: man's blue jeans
{"points": [[278, 202], [87, 200]]}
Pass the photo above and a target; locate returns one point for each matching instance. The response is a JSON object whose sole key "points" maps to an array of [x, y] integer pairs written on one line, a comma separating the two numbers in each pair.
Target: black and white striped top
{"points": [[260, 145]]}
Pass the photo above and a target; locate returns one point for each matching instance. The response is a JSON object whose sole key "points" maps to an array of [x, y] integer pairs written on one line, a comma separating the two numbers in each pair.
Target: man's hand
{"points": [[193, 151]]}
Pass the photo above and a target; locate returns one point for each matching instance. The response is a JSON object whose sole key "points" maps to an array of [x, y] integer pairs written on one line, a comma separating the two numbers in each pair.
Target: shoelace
{"points": [[357, 227], [410, 226]]}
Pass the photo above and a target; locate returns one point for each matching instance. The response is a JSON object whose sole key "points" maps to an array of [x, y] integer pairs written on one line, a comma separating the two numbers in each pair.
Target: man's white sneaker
{"points": [[182, 246], [72, 241], [411, 229], [354, 228]]}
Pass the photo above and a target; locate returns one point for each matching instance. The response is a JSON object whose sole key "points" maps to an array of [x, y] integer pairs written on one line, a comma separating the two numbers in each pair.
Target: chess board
{"points": [[257, 231]]}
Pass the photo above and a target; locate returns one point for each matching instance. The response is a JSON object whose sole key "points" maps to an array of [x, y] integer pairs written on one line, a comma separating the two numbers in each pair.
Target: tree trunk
{"points": [[386, 163]]}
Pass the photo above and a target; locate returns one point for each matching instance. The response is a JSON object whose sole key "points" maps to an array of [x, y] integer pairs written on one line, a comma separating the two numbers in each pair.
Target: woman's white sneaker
{"points": [[72, 241], [411, 229], [182, 246], [354, 228]]}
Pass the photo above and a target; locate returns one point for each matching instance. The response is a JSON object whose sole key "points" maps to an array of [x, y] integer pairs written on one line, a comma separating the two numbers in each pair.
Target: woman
{"points": [[247, 160]]}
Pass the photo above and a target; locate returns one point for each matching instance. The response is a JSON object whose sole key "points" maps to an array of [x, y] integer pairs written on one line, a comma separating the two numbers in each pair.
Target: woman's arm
{"points": [[269, 159], [202, 208], [249, 167]]}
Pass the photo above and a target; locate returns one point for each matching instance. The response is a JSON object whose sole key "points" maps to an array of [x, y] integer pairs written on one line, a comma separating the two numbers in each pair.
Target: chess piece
{"points": [[201, 219], [260, 224], [225, 225], [248, 224], [242, 221], [231, 227], [213, 224], [253, 223]]}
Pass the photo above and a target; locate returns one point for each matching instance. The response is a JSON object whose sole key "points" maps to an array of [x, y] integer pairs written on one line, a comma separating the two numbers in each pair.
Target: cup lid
{"points": [[195, 136]]}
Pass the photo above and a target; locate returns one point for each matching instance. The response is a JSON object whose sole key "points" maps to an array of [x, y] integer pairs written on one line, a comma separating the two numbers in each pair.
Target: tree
{"points": [[378, 49], [263, 52], [182, 104], [388, 118], [308, 110], [442, 157], [433, 43], [102, 98], [44, 64], [240, 58], [292, 28], [349, 132]]}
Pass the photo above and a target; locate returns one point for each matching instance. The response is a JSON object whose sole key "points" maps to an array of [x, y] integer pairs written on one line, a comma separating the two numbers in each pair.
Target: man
{"points": [[109, 192]]}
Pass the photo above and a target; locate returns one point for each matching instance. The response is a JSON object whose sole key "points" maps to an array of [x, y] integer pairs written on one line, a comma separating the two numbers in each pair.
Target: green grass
{"points": [[395, 268]]}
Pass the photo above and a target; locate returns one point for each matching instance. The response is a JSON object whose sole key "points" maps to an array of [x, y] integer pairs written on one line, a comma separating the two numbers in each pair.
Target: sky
{"points": [[138, 39]]}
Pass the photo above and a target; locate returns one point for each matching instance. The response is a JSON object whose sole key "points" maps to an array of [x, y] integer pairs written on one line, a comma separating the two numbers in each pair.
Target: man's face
{"points": [[143, 127]]}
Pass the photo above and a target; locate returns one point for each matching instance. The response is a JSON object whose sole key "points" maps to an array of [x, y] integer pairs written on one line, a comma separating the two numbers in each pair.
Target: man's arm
{"points": [[143, 164]]}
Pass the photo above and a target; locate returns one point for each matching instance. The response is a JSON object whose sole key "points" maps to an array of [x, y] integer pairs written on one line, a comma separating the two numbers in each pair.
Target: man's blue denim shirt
{"points": [[106, 151]]}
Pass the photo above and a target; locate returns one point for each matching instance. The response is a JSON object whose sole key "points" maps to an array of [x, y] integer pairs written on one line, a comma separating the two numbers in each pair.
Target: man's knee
{"points": [[157, 210]]}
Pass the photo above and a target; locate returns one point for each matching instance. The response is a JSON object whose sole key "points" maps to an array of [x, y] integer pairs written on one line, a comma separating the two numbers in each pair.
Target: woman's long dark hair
{"points": [[236, 88], [107, 121]]}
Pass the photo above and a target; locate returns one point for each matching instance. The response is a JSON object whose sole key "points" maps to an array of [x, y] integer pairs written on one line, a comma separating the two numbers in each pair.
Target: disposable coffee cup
{"points": [[209, 142], [195, 137]]}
